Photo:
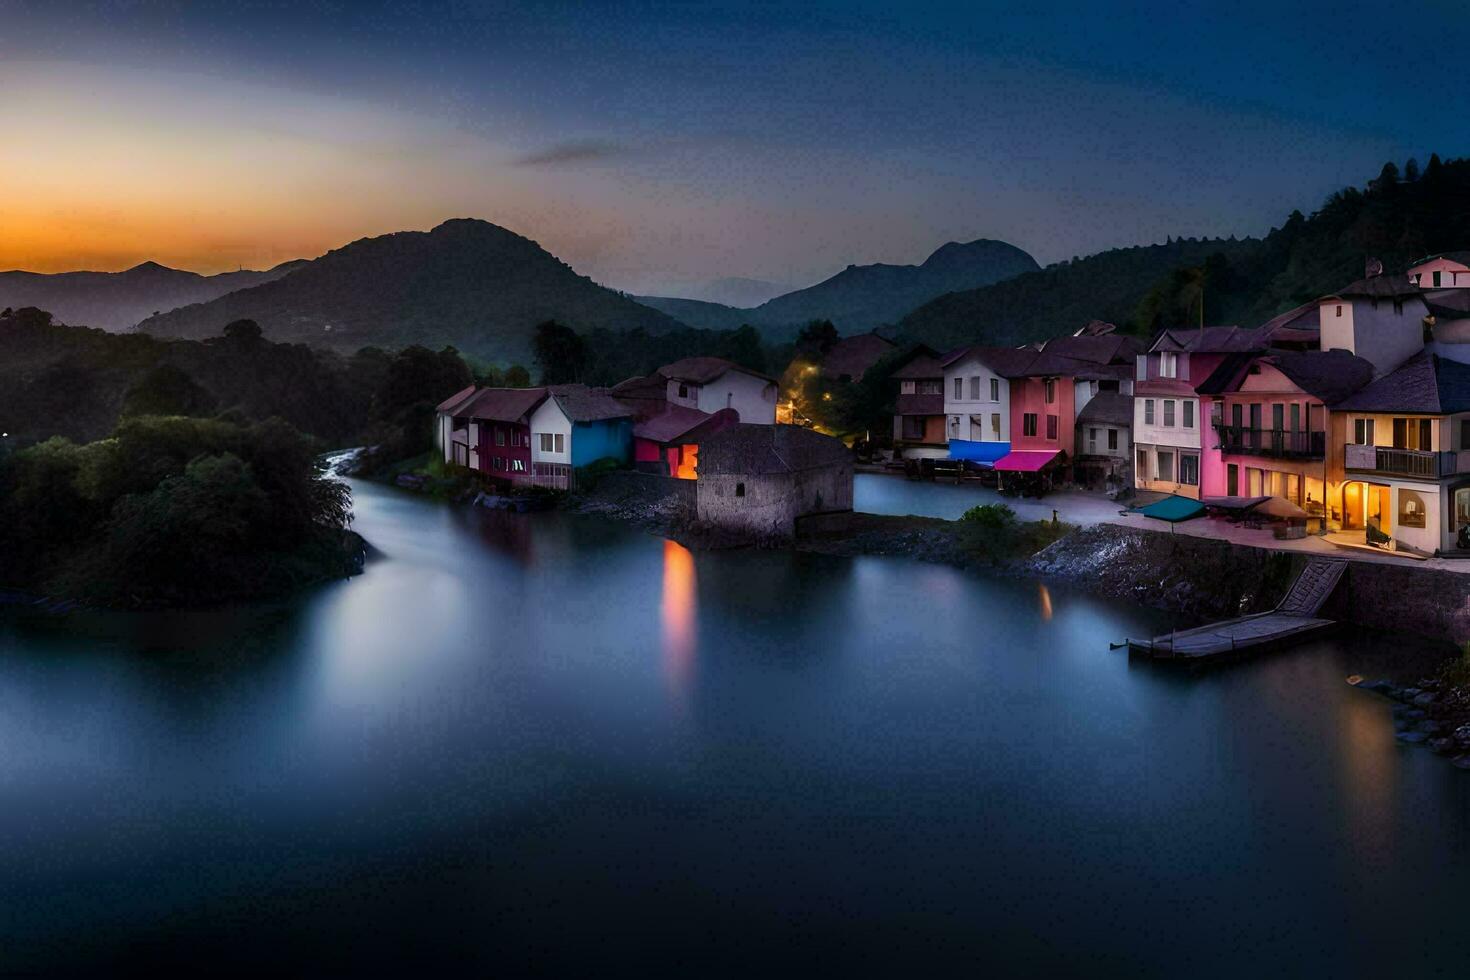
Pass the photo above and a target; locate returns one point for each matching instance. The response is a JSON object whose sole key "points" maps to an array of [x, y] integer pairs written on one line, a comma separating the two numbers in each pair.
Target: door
{"points": [[1353, 499], [1232, 480]]}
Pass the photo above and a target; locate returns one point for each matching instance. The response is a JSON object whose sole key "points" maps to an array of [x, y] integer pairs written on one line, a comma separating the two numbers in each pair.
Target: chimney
{"points": [[1374, 269]]}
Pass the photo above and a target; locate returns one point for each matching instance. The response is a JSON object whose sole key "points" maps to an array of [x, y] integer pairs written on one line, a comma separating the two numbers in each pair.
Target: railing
{"points": [[1281, 443], [1403, 462]]}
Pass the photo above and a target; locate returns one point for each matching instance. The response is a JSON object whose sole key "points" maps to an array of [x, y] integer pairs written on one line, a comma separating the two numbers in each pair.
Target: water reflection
{"points": [[679, 612], [1045, 601]]}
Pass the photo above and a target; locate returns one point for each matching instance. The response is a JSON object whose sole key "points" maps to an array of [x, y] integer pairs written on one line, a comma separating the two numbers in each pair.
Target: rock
{"points": [[1427, 698], [1463, 762], [1408, 694], [1413, 738], [1442, 745], [1428, 726]]}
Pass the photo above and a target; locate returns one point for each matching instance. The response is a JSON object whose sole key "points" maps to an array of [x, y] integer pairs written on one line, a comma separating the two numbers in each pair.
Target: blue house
{"points": [[574, 427]]}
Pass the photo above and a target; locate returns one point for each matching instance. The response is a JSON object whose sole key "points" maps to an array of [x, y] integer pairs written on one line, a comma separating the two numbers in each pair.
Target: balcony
{"points": [[1404, 462], [1278, 443]]}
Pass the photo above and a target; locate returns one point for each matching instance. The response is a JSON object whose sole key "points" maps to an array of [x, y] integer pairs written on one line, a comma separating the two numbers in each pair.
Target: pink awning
{"points": [[1026, 460]]}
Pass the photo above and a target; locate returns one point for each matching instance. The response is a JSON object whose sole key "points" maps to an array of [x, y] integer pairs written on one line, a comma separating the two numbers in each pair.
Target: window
{"points": [[1166, 466], [931, 387], [1237, 416], [1363, 432], [1462, 508], [1465, 433], [905, 387], [1092, 439], [1339, 309], [499, 462], [1028, 424], [1232, 479], [1436, 279], [739, 489], [995, 389], [683, 391], [995, 424], [1140, 370], [518, 465], [959, 388], [1051, 426], [913, 426], [1278, 411], [546, 442], [1189, 413], [1189, 469], [1051, 390], [1168, 413], [974, 389], [1411, 509], [1412, 434], [1112, 438], [499, 436], [560, 442], [1168, 365], [1296, 417], [1148, 411]]}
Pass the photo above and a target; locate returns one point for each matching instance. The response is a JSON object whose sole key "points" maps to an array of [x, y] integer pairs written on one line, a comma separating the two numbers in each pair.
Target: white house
{"points": [[711, 384], [574, 427], [1445, 271], [1379, 319], [977, 397]]}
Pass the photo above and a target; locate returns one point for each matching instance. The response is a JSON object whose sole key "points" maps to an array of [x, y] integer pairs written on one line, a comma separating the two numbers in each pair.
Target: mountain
{"points": [[467, 283], [1396, 218], [736, 291], [117, 300], [862, 297]]}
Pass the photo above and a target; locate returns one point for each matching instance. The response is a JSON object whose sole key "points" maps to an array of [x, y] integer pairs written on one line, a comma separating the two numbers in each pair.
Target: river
{"points": [[548, 739]]}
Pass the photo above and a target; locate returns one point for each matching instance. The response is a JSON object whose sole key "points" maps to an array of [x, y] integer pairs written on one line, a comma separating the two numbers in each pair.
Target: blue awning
{"points": [[1172, 508], [977, 452]]}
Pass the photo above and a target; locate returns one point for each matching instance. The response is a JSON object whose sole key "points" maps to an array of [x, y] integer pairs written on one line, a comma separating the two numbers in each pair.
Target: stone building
{"points": [[758, 479]]}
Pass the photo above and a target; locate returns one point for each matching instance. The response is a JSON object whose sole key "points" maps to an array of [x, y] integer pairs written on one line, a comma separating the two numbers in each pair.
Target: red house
{"points": [[490, 431]]}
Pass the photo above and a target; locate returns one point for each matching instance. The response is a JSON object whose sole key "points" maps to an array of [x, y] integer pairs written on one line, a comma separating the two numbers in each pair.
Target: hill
{"points": [[862, 297], [118, 300], [466, 283], [1397, 217]]}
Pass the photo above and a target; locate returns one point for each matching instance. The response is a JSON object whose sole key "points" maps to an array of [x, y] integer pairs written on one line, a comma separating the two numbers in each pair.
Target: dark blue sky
{"points": [[651, 144]]}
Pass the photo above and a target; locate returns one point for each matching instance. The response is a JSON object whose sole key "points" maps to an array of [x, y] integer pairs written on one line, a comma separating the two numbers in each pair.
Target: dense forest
{"points": [[1402, 214]]}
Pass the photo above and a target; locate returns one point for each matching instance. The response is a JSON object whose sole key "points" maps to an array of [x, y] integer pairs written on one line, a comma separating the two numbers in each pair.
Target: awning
{"points": [[1232, 503], [1172, 508], [976, 451], [1027, 460]]}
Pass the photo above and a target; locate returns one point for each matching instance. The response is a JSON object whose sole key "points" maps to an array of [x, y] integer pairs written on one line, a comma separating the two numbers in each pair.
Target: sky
{"points": [[657, 145]]}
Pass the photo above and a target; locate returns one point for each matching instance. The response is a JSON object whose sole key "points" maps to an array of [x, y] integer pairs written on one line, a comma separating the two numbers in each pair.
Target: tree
{"points": [[1411, 170], [817, 338], [560, 352], [167, 390], [517, 376], [243, 333]]}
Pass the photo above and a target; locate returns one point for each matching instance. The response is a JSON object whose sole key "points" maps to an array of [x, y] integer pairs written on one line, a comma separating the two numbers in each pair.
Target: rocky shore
{"points": [[1432, 713]]}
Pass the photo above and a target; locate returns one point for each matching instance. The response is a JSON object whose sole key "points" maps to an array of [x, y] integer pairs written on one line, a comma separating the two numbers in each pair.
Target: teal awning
{"points": [[1172, 508]]}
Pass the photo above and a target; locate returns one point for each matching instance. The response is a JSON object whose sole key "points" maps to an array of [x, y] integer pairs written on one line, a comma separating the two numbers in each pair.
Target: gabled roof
{"points": [[447, 406], [1378, 287], [1007, 362], [1108, 407], [853, 356], [678, 421], [1100, 348], [1329, 375], [922, 366], [703, 370], [1209, 340], [768, 449], [1425, 383], [1462, 257], [583, 404], [501, 404]]}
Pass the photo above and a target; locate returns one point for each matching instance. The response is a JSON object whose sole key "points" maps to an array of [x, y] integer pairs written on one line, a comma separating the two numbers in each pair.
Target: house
{"points": [[977, 400], [1381, 319], [1172, 451], [918, 415], [1103, 444], [711, 384], [758, 479], [1045, 394], [1447, 270], [1406, 458], [576, 426], [668, 443], [708, 384], [489, 430], [1269, 412]]}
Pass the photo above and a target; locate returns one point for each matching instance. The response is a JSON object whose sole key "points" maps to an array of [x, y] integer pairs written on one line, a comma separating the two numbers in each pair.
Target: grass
{"points": [[992, 532]]}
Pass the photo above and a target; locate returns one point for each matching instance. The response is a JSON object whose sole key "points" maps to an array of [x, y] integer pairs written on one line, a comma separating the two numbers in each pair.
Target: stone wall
{"points": [[767, 505]]}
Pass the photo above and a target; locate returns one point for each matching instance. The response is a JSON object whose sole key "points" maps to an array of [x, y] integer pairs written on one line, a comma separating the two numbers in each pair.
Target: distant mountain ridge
{"points": [[862, 297], [118, 300], [467, 283]]}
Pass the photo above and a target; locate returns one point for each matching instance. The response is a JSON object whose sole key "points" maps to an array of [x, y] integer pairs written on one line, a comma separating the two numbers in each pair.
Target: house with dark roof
{"points": [[577, 426], [711, 384], [759, 479], [1406, 457], [977, 399], [668, 443], [489, 430], [918, 409], [1380, 319], [1270, 416]]}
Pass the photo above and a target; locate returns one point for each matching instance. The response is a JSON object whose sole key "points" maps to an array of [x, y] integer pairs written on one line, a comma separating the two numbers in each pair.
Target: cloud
{"points": [[573, 151]]}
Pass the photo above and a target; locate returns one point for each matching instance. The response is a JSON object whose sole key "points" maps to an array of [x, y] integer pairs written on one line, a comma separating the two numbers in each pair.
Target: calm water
{"points": [[548, 739]]}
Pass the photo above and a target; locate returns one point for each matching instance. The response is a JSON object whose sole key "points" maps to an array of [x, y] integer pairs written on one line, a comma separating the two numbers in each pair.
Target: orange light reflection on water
{"points": [[680, 614], [1045, 601]]}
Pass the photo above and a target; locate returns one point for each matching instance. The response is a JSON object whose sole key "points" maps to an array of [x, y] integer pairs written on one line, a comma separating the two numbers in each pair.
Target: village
{"points": [[1340, 426]]}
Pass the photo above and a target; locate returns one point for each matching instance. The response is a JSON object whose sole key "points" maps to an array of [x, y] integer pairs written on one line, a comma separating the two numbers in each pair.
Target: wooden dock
{"points": [[1293, 619]]}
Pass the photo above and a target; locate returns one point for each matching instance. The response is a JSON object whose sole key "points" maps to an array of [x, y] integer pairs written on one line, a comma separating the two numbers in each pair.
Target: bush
{"points": [[992, 517]]}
